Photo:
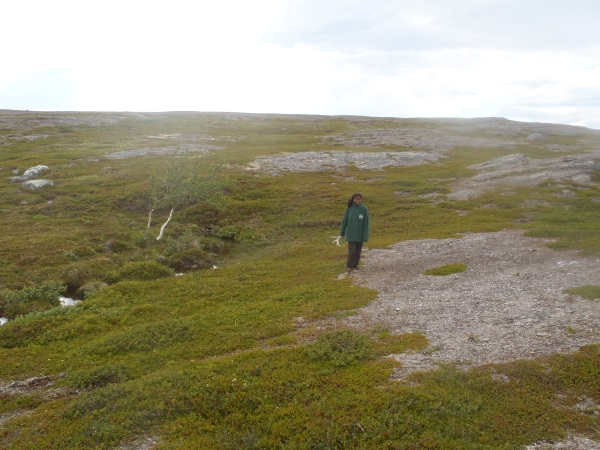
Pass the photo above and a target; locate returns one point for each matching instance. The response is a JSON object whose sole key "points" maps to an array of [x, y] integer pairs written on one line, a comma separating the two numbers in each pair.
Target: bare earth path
{"points": [[508, 305]]}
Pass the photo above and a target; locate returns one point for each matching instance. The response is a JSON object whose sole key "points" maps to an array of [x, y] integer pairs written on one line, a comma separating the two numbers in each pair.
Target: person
{"points": [[355, 229]]}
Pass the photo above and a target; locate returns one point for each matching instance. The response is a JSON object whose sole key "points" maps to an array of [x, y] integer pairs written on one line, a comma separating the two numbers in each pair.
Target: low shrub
{"points": [[97, 377], [193, 258], [448, 269], [187, 241], [79, 252], [14, 310], [212, 245], [40, 297], [91, 287], [225, 232], [340, 348], [139, 239], [44, 292], [81, 272], [117, 246], [140, 271], [145, 338]]}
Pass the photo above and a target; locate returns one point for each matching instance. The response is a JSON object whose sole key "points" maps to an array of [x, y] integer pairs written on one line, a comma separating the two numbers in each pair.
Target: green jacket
{"points": [[355, 224]]}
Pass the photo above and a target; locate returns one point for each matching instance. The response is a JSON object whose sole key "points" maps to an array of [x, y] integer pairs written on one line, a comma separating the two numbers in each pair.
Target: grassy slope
{"points": [[212, 359]]}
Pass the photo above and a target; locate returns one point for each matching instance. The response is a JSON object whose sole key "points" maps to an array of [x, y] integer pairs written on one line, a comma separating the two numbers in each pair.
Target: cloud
{"points": [[526, 59], [522, 25], [45, 90]]}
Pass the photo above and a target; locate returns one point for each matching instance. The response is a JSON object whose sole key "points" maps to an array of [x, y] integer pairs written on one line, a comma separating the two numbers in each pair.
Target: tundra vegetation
{"points": [[226, 357], [448, 269]]}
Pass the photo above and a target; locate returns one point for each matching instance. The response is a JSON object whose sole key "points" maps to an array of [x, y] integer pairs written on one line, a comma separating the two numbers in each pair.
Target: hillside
{"points": [[240, 328]]}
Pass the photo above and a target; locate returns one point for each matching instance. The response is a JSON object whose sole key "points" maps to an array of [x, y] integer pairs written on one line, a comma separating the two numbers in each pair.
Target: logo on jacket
{"points": [[360, 216]]}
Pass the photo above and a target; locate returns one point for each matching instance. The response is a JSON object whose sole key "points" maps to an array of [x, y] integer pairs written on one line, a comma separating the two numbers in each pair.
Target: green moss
{"points": [[589, 291], [448, 269], [388, 344]]}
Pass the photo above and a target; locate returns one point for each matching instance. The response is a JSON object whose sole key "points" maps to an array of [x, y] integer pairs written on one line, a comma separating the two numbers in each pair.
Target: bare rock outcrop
{"points": [[170, 150], [335, 160], [519, 170], [418, 138]]}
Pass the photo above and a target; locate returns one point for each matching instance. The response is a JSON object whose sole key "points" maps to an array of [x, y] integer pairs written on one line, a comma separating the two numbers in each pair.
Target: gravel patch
{"points": [[572, 443], [22, 387], [508, 305], [158, 151], [142, 443], [313, 161], [519, 170], [7, 417]]}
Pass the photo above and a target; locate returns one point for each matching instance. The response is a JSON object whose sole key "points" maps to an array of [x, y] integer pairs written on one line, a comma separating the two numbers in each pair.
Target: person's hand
{"points": [[336, 240]]}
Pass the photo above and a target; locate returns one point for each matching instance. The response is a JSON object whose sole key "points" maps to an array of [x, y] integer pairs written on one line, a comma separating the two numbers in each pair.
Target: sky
{"points": [[529, 60]]}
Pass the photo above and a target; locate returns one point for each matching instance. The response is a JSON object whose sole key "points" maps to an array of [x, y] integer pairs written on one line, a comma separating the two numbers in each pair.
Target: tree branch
{"points": [[162, 229]]}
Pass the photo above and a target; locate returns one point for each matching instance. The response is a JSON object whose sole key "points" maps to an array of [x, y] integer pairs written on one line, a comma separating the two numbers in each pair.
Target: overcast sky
{"points": [[532, 60]]}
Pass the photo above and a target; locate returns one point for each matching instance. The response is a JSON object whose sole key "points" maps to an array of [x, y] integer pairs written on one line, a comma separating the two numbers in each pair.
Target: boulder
{"points": [[32, 172], [36, 184]]}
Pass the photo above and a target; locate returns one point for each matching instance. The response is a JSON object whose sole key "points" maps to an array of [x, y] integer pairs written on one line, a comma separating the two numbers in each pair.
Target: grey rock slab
{"points": [[170, 150], [315, 161], [426, 138]]}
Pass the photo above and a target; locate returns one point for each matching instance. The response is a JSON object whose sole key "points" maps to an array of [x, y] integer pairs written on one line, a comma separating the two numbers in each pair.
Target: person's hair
{"points": [[351, 199]]}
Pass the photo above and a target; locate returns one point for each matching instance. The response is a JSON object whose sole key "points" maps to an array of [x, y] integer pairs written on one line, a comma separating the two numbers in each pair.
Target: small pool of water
{"points": [[66, 301]]}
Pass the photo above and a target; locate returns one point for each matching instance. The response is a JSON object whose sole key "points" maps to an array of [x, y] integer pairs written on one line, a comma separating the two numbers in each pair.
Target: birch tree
{"points": [[182, 184]]}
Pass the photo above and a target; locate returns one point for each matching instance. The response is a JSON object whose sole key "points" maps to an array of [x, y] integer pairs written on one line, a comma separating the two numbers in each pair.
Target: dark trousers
{"points": [[354, 249]]}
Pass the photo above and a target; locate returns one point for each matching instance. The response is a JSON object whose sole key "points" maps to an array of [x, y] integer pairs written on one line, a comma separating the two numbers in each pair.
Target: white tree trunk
{"points": [[162, 229], [149, 222]]}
